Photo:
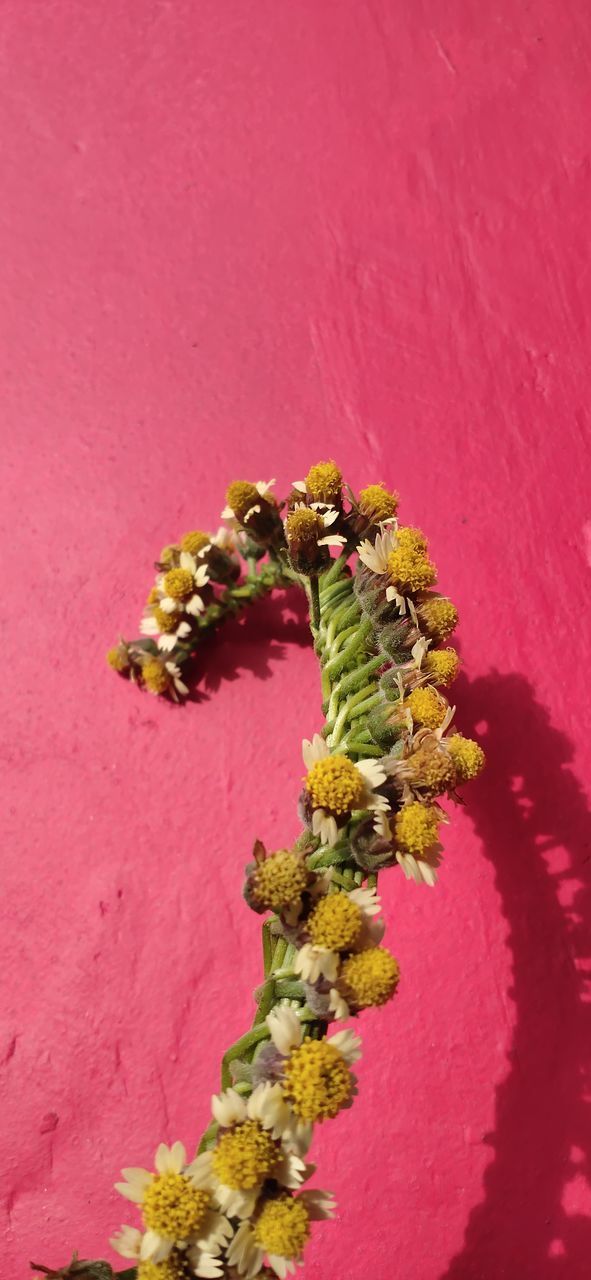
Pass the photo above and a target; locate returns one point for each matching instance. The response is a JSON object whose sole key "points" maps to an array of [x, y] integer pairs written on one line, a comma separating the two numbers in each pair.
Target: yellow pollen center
{"points": [[426, 706], [195, 541], [155, 676], [166, 622], [467, 755], [244, 1156], [334, 783], [283, 1227], [241, 495], [371, 977], [410, 538], [178, 584], [442, 665], [173, 1207], [439, 617], [317, 1081], [324, 482], [410, 569], [416, 827], [304, 525], [176, 1267], [117, 658], [433, 770], [335, 922], [279, 880], [377, 503]]}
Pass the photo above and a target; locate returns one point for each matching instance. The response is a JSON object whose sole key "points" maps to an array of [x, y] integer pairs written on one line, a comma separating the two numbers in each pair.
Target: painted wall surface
{"points": [[236, 238]]}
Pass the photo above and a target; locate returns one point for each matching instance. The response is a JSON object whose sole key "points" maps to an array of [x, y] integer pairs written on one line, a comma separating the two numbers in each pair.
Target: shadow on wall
{"points": [[527, 805]]}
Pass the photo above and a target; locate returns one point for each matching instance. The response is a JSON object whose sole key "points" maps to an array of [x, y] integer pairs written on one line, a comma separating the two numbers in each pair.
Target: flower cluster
{"points": [[373, 788]]}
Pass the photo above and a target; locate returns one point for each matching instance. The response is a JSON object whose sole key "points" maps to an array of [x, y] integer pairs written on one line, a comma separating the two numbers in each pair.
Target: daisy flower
{"points": [[243, 499], [249, 1149], [278, 1233], [316, 1079], [339, 922], [400, 553], [175, 1206], [196, 1260], [334, 786], [179, 587]]}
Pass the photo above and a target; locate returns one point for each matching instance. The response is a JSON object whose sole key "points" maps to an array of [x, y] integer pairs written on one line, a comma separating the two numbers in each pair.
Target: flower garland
{"points": [[370, 801]]}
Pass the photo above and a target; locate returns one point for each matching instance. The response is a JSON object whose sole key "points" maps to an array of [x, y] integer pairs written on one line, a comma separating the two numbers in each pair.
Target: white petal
{"points": [[329, 516], [168, 605], [329, 832], [154, 1248], [290, 1171], [187, 561], [300, 485], [227, 513], [195, 606], [127, 1242], [184, 629], [228, 1108], [237, 1204], [428, 873], [313, 963], [280, 1266], [315, 750], [334, 540], [199, 1170], [268, 1106], [320, 1204], [285, 1028], [347, 1043], [251, 512], [166, 643], [205, 1265], [338, 1006], [149, 627], [201, 576], [367, 899], [373, 772]]}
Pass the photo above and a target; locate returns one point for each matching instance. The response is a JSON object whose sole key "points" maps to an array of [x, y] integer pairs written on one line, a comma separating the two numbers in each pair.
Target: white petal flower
{"points": [[127, 1242], [300, 485], [347, 1043], [285, 1028], [135, 1185], [373, 772], [263, 486], [315, 750], [417, 869], [267, 1105], [170, 1159], [312, 963], [367, 899], [243, 1253], [338, 1006], [375, 554], [325, 826], [228, 1108], [154, 1249], [320, 1204]]}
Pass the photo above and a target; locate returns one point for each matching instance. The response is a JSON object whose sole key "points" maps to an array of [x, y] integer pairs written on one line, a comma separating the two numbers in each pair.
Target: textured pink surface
{"points": [[236, 238]]}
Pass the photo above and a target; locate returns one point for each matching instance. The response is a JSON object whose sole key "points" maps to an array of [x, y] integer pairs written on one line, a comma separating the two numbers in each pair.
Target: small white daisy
{"points": [[175, 1205], [337, 785], [292, 1215], [262, 487]]}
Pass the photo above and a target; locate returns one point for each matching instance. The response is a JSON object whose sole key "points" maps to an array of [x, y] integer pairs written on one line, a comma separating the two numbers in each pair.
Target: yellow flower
{"points": [[442, 665], [416, 827], [195, 541], [323, 483], [426, 706], [467, 755], [282, 1227], [369, 978], [377, 504], [118, 658], [438, 616], [279, 880]]}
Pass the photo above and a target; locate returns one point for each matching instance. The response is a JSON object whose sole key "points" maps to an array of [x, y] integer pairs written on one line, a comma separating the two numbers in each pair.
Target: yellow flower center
{"points": [[442, 665], [439, 617], [377, 504], [168, 554], [173, 1207], [244, 1156], [153, 596], [335, 922], [166, 621], [317, 1081], [279, 880], [467, 755], [410, 538], [176, 1267], [117, 658], [410, 569], [371, 977], [195, 541], [155, 676], [324, 482], [433, 770], [283, 1227], [334, 783], [427, 707], [178, 583], [241, 496], [304, 526], [416, 827]]}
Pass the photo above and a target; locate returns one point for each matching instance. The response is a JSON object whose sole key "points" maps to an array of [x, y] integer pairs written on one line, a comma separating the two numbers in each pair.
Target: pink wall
{"points": [[235, 238]]}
